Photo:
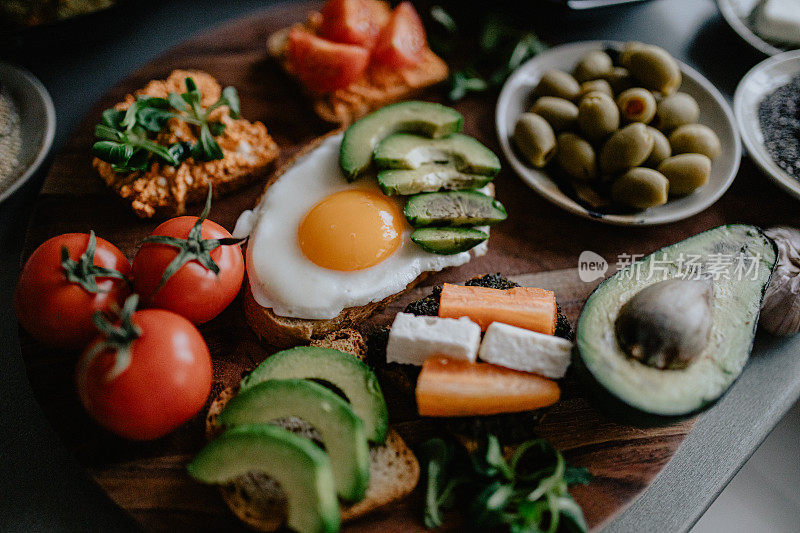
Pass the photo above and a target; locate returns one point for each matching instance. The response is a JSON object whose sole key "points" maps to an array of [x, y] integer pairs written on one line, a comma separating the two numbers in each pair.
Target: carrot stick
{"points": [[452, 387], [524, 307]]}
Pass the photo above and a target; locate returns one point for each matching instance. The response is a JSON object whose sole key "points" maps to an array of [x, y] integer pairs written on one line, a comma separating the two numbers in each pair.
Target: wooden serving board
{"points": [[539, 245]]}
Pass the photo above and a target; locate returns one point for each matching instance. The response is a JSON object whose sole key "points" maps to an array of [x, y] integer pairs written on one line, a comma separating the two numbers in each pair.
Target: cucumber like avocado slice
{"points": [[448, 241], [361, 138], [302, 469], [342, 431], [343, 370], [430, 177], [407, 151], [739, 260], [453, 208]]}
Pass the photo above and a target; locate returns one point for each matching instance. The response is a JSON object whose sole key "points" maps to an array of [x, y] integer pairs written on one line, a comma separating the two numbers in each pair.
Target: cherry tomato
{"points": [[402, 41], [55, 299], [353, 21], [324, 65], [163, 383], [193, 291]]}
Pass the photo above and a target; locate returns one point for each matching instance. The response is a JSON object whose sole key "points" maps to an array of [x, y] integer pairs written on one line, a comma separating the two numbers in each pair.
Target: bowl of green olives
{"points": [[617, 132]]}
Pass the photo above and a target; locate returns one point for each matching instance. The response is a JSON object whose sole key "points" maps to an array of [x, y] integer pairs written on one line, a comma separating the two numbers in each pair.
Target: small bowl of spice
{"points": [[27, 126], [767, 108]]}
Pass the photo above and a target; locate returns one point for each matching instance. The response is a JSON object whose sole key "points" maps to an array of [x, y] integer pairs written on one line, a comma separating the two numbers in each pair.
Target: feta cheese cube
{"points": [[526, 350], [413, 339]]}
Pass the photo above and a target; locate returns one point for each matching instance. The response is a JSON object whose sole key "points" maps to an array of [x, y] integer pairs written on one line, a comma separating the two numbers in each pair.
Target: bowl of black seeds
{"points": [[767, 108]]}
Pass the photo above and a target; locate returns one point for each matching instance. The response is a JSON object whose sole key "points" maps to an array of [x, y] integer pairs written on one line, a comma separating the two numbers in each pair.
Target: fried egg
{"points": [[319, 244]]}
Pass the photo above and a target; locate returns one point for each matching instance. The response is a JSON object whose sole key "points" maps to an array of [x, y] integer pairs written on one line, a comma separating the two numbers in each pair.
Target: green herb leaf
{"points": [[132, 131], [113, 118], [178, 102], [487, 509], [528, 494], [443, 17], [206, 148], [113, 152]]}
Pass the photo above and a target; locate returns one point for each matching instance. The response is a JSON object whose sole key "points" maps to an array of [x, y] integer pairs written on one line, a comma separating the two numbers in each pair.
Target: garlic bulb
{"points": [[780, 310]]}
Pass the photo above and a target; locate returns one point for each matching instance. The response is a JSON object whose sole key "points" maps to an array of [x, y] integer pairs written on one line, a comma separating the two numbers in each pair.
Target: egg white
{"points": [[282, 278]]}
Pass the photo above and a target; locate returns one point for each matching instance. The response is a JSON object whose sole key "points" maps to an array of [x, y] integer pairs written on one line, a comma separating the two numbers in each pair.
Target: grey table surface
{"points": [[43, 488]]}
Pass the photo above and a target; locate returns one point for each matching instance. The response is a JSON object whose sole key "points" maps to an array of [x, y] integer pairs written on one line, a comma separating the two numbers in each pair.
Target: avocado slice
{"points": [[360, 139], [342, 370], [453, 208], [342, 431], [430, 177], [302, 469], [407, 151], [448, 241], [734, 309]]}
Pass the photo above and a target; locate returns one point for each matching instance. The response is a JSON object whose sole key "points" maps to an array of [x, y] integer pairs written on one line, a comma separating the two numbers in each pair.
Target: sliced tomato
{"points": [[402, 41], [324, 65], [354, 21]]}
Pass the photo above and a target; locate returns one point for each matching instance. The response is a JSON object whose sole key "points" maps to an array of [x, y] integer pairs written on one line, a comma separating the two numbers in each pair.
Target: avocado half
{"points": [[734, 317]]}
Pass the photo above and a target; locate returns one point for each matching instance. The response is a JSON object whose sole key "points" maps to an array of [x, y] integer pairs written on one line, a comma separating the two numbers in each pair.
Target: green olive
{"points": [[557, 83], [535, 139], [576, 157], [593, 65], [695, 139], [598, 116], [640, 188], [600, 86], [627, 148], [661, 148], [676, 110], [637, 105], [619, 79], [627, 48], [654, 67], [561, 114], [686, 172]]}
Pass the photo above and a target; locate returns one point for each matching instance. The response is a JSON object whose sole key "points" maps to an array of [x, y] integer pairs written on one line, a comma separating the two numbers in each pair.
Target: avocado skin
{"points": [[361, 138], [341, 429], [342, 370], [300, 466], [408, 151], [610, 401]]}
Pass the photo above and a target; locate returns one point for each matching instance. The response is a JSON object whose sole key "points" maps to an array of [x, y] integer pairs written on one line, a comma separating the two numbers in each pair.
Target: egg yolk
{"points": [[351, 230]]}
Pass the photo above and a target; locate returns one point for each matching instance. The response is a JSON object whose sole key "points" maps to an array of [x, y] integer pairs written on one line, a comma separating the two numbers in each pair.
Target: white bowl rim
{"points": [[49, 127], [638, 219], [744, 31], [749, 131]]}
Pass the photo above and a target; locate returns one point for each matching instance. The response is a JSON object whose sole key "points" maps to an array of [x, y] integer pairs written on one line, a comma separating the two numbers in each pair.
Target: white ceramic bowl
{"points": [[736, 13], [714, 112], [37, 121], [756, 84]]}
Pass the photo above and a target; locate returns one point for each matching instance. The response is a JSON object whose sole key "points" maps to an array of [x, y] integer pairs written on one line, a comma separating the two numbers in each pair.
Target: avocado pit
{"points": [[668, 324]]}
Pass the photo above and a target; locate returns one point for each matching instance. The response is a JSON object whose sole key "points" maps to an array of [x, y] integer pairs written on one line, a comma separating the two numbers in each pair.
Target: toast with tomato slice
{"points": [[356, 56], [260, 503]]}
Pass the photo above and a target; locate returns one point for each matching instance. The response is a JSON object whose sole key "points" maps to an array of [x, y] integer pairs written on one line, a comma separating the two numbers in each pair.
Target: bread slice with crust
{"points": [[163, 190], [260, 503], [285, 332], [378, 86]]}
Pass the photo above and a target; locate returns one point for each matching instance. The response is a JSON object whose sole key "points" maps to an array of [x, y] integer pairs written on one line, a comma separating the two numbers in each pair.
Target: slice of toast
{"points": [[163, 190], [260, 503], [378, 86], [285, 332]]}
